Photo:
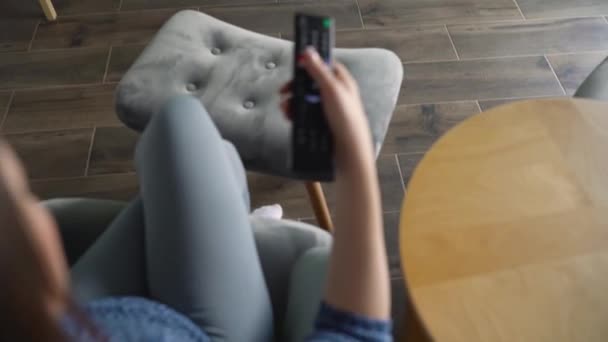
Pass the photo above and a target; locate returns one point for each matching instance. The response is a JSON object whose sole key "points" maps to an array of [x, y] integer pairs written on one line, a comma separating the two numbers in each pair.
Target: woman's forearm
{"points": [[358, 271], [358, 278]]}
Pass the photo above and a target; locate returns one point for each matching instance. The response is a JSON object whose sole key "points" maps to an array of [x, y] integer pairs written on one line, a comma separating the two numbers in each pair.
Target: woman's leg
{"points": [[200, 252]]}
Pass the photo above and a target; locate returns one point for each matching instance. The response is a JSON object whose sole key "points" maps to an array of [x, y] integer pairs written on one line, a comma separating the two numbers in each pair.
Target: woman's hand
{"points": [[343, 109], [357, 280]]}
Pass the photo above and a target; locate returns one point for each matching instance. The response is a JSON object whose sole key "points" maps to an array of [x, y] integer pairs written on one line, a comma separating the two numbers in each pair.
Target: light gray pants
{"points": [[186, 241]]}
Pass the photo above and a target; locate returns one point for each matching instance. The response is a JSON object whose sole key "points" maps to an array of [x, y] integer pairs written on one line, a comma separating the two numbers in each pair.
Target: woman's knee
{"points": [[181, 111], [179, 120]]}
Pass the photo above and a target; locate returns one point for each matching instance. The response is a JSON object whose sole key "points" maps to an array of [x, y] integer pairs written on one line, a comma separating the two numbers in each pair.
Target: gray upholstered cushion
{"points": [[236, 74]]}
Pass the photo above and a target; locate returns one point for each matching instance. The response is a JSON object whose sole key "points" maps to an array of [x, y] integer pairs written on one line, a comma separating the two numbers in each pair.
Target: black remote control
{"points": [[311, 137]]}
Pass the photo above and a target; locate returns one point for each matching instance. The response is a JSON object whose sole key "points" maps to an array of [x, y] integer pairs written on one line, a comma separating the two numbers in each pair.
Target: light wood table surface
{"points": [[504, 229]]}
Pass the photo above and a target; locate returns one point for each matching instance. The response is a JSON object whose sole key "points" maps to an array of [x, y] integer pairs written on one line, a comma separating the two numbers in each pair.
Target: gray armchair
{"points": [[596, 84], [293, 257]]}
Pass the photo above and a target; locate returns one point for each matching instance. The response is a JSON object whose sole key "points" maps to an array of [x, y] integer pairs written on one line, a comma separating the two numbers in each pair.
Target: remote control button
{"points": [[216, 51], [249, 104]]}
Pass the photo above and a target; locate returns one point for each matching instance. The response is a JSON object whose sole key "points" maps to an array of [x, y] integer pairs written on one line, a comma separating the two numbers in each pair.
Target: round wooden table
{"points": [[504, 229]]}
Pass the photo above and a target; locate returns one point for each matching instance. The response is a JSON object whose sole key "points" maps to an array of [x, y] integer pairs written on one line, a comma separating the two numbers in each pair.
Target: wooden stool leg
{"points": [[319, 205], [49, 10]]}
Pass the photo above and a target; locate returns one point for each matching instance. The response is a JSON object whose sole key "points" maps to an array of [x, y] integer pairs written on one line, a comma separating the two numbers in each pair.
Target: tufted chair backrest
{"points": [[236, 74]]}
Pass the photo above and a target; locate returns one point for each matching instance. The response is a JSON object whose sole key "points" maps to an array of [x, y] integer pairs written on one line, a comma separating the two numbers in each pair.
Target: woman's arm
{"points": [[358, 280]]}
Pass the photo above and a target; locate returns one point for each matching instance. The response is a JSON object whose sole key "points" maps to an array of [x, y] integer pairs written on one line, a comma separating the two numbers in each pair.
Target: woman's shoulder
{"points": [[138, 319]]}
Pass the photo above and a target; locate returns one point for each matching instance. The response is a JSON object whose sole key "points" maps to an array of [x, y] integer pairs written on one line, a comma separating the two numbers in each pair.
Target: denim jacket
{"points": [[132, 319]]}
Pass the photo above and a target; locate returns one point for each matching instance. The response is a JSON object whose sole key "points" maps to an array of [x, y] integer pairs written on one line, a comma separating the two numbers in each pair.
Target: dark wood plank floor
{"points": [[460, 56], [532, 37]]}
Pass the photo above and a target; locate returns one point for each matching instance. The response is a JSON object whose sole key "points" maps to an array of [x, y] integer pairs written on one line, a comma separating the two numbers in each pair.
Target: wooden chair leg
{"points": [[49, 10], [319, 205]]}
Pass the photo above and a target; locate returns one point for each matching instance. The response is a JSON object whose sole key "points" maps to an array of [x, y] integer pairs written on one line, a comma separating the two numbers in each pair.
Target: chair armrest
{"points": [[81, 221], [280, 245], [306, 287]]}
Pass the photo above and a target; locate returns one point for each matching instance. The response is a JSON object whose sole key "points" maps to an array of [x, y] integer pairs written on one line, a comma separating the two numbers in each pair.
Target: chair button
{"points": [[216, 51], [249, 104], [191, 87], [271, 65]]}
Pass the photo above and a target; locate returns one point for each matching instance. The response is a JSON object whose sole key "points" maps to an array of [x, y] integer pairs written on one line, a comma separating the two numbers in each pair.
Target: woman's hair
{"points": [[24, 284], [26, 287]]}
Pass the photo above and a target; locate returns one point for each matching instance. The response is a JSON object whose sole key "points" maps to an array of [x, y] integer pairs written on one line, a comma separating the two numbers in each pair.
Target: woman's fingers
{"points": [[286, 88], [285, 101], [286, 107], [345, 77], [318, 70]]}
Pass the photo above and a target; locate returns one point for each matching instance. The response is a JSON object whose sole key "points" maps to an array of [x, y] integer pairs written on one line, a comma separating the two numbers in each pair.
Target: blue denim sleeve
{"points": [[335, 325]]}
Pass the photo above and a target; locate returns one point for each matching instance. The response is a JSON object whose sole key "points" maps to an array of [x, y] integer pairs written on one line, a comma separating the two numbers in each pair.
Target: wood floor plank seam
{"points": [[562, 8], [480, 22], [555, 74], [473, 100], [7, 109], [29, 47], [400, 173], [49, 130], [105, 73], [88, 163], [576, 52], [562, 17], [63, 178], [360, 15], [503, 57], [395, 27], [519, 9], [452, 42], [202, 7], [128, 45], [524, 22], [67, 48], [237, 4], [479, 106], [144, 10], [60, 86]]}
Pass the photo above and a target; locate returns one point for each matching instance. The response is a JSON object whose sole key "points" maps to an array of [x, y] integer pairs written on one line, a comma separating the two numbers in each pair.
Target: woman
{"points": [[185, 243]]}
